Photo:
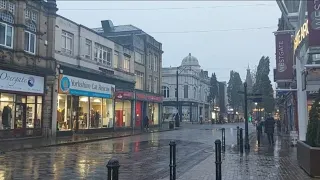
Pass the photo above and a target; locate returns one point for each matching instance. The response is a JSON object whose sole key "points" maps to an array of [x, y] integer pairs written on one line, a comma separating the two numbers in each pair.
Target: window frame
{"points": [[88, 45], [5, 35], [67, 35], [126, 64], [105, 52], [116, 60], [140, 77], [165, 91], [29, 42], [155, 84], [155, 63]]}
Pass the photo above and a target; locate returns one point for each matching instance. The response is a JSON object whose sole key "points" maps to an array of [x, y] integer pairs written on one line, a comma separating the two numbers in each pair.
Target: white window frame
{"points": [[155, 63], [139, 80], [116, 59], [3, 4], [88, 46], [29, 43], [67, 35], [5, 35], [155, 84], [150, 61], [149, 83], [165, 91], [126, 63], [102, 53]]}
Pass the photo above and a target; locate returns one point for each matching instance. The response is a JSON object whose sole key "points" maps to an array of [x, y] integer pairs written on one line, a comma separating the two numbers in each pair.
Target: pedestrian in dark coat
{"points": [[146, 123], [269, 129]]}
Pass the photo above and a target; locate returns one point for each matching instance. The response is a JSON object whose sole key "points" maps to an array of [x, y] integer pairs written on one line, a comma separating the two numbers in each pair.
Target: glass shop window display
{"points": [[6, 111]]}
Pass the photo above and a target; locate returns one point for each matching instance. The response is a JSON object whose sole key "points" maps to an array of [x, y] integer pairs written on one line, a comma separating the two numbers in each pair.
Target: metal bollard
{"points": [[223, 139], [218, 159], [238, 135], [258, 136], [172, 164], [113, 169], [241, 140]]}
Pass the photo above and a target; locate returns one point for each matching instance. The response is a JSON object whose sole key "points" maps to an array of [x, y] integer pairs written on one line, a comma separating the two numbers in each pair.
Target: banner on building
{"points": [[313, 8], [284, 57]]}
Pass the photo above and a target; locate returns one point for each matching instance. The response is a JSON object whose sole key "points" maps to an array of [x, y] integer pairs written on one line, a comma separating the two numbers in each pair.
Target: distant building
{"points": [[193, 90]]}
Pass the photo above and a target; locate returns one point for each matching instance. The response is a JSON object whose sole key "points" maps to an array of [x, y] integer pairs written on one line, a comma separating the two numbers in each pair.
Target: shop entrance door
{"points": [[20, 120]]}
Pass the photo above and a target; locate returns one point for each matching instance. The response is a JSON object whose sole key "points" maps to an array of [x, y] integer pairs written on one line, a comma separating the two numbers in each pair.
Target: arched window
{"points": [[31, 26], [165, 91], [6, 29]]}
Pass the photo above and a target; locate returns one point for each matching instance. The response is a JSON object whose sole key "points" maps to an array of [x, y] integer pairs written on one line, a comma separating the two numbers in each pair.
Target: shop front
{"points": [[123, 109], [84, 105], [148, 105], [21, 97]]}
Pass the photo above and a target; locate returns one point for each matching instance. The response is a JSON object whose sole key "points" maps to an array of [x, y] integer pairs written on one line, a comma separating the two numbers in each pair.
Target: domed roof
{"points": [[190, 61]]}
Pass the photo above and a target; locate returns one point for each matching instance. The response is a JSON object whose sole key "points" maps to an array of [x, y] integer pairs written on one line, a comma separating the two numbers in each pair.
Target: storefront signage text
{"points": [[302, 33], [313, 8], [12, 81], [124, 95], [85, 87], [149, 97]]}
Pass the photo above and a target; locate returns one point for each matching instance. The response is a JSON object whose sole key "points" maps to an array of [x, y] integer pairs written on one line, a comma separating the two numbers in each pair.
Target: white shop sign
{"points": [[13, 81]]}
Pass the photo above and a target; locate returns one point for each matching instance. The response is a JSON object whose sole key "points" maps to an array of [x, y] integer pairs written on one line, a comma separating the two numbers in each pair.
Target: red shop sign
{"points": [[145, 97], [155, 98], [124, 95]]}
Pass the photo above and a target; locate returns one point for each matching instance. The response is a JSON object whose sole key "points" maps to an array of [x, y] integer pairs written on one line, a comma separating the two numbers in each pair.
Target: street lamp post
{"points": [[177, 96], [246, 128]]}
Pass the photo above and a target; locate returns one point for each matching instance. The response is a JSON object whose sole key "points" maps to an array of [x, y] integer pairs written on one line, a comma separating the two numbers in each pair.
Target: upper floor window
{"points": [[67, 42], [155, 63], [149, 83], [7, 17], [115, 59], [5, 4], [102, 54], [139, 80], [165, 91], [150, 61], [126, 64], [6, 35], [155, 85], [88, 49], [138, 57], [32, 15], [185, 89]]}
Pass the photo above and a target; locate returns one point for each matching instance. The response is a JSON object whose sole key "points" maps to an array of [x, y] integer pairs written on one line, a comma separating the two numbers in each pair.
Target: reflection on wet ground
{"points": [[146, 157], [141, 157]]}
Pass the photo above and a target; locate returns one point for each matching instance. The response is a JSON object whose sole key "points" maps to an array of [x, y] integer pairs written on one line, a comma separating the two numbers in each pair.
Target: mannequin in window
{"points": [[92, 117], [97, 118], [6, 117]]}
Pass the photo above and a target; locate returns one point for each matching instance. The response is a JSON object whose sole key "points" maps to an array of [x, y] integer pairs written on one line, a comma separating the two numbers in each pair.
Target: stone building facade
{"points": [[193, 90], [27, 67]]}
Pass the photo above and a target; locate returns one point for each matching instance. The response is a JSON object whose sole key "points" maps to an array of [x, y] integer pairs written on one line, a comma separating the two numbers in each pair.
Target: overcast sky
{"points": [[193, 27]]}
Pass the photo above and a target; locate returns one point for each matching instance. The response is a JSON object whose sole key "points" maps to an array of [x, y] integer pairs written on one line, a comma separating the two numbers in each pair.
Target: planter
{"points": [[309, 158]]}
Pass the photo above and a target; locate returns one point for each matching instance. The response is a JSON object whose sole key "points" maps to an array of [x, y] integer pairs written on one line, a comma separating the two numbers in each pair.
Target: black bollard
{"points": [[223, 139], [241, 140], [113, 169], [258, 137], [238, 136], [218, 159], [172, 164]]}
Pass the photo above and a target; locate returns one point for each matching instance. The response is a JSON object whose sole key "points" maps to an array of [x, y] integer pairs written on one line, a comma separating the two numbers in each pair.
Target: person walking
{"points": [[146, 123], [269, 129]]}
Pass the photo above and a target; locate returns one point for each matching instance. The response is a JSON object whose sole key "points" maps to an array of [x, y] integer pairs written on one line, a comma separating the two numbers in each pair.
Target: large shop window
{"points": [[92, 112], [153, 113], [18, 111], [123, 113]]}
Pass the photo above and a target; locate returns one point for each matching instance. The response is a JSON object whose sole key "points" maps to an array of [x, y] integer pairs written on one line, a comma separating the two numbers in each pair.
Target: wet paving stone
{"points": [[146, 157]]}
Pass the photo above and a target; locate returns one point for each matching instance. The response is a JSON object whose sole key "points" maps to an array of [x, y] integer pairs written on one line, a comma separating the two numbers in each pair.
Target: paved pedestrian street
{"points": [[146, 157]]}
